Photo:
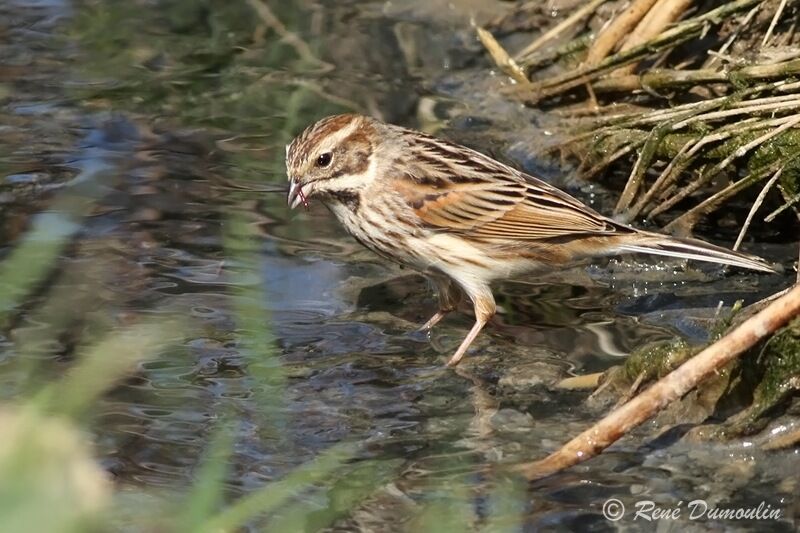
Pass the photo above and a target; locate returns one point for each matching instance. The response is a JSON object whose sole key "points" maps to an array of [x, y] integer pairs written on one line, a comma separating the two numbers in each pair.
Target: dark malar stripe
{"points": [[347, 197]]}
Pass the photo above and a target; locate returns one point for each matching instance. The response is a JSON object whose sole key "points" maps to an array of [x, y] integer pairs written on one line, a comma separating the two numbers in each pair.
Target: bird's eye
{"points": [[324, 159]]}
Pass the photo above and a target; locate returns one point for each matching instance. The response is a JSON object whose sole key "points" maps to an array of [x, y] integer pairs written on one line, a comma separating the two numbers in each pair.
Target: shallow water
{"points": [[172, 118]]}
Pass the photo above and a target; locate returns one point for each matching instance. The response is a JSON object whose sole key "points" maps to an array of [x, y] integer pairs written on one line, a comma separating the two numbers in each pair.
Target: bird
{"points": [[457, 216]]}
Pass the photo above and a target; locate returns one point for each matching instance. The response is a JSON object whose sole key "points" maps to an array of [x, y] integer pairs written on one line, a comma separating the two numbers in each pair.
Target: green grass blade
{"points": [[338, 500], [206, 495], [102, 364], [272, 496]]}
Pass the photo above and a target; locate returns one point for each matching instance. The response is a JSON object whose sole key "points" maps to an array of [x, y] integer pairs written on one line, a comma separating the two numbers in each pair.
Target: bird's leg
{"points": [[449, 296], [467, 341], [485, 308], [435, 319]]}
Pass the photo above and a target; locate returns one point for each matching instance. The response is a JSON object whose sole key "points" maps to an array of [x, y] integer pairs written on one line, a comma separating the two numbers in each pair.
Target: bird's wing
{"points": [[454, 189]]}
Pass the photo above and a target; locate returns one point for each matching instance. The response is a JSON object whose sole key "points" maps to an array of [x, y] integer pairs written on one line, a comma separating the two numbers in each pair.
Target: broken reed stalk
{"points": [[687, 154], [690, 150], [668, 389], [684, 223]]}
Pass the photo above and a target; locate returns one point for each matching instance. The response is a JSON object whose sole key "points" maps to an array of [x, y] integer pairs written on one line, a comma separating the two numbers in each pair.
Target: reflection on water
{"points": [[192, 221]]}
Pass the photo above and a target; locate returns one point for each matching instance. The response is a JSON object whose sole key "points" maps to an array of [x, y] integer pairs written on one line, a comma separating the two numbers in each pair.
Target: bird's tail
{"points": [[653, 243]]}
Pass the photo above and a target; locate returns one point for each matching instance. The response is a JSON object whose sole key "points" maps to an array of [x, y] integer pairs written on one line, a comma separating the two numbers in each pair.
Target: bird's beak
{"points": [[296, 195]]}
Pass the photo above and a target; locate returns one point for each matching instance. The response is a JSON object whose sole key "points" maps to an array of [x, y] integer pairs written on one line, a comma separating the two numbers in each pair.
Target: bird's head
{"points": [[331, 159]]}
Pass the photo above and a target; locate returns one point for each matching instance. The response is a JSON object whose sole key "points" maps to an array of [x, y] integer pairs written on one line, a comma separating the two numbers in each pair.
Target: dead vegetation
{"points": [[688, 105], [685, 94]]}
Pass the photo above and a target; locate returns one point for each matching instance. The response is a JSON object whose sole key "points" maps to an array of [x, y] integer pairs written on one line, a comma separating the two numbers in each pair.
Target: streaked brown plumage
{"points": [[456, 215]]}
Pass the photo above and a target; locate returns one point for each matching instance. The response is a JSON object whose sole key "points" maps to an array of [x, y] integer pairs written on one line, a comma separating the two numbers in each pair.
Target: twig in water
{"points": [[632, 390], [786, 440], [668, 389]]}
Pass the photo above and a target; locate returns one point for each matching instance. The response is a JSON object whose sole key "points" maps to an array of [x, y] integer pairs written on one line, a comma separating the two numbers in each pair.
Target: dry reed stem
{"points": [[788, 87], [668, 389], [759, 200], [610, 159], [661, 15], [750, 110], [690, 109], [709, 205], [682, 160], [615, 32], [684, 223], [559, 28], [546, 56], [734, 35], [501, 58], [672, 37], [636, 176], [773, 22], [671, 78], [707, 176], [664, 179], [789, 202], [685, 156]]}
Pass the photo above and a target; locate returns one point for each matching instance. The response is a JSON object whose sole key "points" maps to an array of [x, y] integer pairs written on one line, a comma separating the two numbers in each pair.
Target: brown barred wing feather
{"points": [[481, 198]]}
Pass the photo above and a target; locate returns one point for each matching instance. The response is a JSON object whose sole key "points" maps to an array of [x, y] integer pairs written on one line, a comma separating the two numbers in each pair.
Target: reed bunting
{"points": [[457, 216]]}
